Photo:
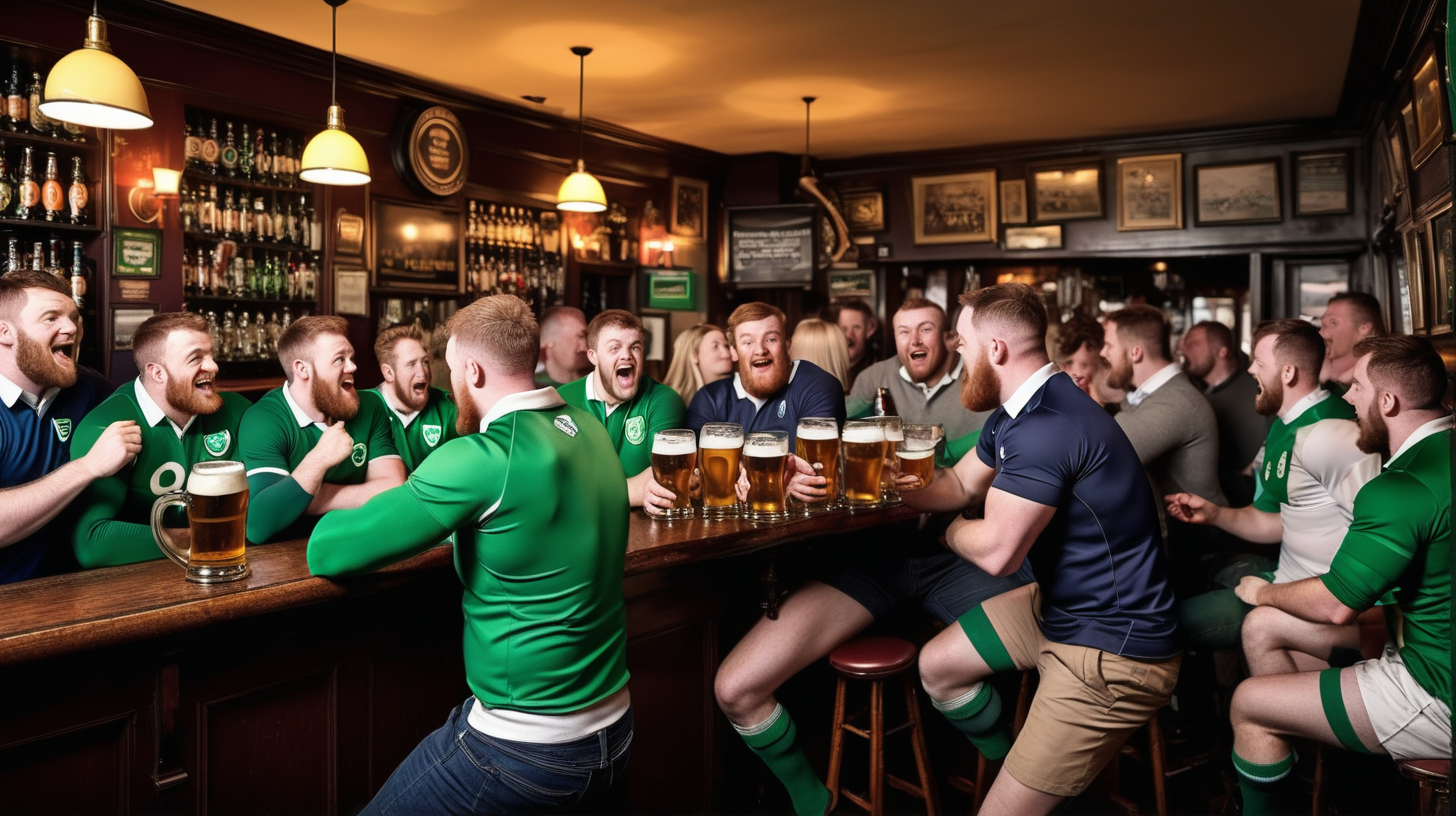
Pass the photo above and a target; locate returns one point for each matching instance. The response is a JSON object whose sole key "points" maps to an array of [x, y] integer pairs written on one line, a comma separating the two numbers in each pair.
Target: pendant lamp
{"points": [[333, 156], [92, 88], [581, 192]]}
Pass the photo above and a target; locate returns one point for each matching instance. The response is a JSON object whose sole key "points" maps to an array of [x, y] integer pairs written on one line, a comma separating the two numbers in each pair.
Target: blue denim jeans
{"points": [[457, 769]]}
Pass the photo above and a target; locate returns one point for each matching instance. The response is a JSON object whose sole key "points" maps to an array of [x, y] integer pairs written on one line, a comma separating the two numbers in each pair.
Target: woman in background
{"points": [[822, 343], [700, 355]]}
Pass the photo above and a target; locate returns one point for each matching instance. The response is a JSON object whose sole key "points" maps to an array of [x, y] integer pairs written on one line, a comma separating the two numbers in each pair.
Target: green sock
{"points": [[977, 714], [1264, 786], [776, 741]]}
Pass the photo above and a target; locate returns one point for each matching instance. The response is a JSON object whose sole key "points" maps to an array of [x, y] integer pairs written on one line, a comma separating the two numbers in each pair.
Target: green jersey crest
{"points": [[63, 428], [565, 425], [636, 429], [361, 452], [217, 443], [431, 434]]}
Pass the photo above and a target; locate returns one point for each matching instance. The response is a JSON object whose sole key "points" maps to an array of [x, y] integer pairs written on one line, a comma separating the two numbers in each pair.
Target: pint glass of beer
{"points": [[674, 455], [864, 460], [766, 456], [894, 435], [720, 452], [217, 517], [818, 444], [916, 453]]}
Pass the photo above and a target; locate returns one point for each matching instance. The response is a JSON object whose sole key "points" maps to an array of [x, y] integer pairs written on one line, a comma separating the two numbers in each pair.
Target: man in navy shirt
{"points": [[44, 401], [1063, 488]]}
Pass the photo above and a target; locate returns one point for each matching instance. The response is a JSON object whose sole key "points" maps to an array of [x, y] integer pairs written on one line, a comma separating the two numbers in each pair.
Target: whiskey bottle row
{"points": [[237, 337], [514, 251], [218, 210], [242, 151], [21, 254], [22, 113], [225, 272], [36, 192]]}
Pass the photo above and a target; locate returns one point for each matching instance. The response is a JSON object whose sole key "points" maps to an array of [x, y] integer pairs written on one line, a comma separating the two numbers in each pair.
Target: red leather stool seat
{"points": [[1427, 767], [873, 657]]}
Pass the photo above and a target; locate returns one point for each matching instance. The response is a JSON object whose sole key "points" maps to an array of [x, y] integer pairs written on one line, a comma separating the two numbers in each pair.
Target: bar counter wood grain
{"points": [[65, 614]]}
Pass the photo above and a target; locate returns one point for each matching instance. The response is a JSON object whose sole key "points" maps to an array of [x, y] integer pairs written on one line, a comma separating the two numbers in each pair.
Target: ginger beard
{"points": [[196, 397], [467, 411], [337, 401], [764, 375], [1269, 398], [1374, 433], [980, 386], [47, 366], [413, 394], [1119, 373]]}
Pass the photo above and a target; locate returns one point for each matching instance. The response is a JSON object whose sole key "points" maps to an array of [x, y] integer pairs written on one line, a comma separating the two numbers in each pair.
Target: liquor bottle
{"points": [[187, 207], [78, 275], [279, 226], [40, 124], [27, 203], [14, 258], [192, 145], [229, 155], [275, 160], [229, 215], [250, 278], [37, 257], [79, 194], [52, 195], [245, 216], [287, 174], [53, 259], [16, 102], [262, 219], [207, 211], [7, 185], [245, 155], [884, 403], [262, 159], [210, 149]]}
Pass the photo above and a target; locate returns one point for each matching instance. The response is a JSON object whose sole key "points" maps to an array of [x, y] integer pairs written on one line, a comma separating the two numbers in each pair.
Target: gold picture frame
{"points": [[1150, 192], [955, 209]]}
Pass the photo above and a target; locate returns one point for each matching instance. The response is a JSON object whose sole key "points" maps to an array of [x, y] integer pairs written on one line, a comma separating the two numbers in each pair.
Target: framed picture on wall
{"points": [[955, 209], [1150, 192], [1013, 202], [1398, 168], [1067, 193], [138, 253], [1243, 193], [1322, 183], [1441, 294], [1429, 123], [689, 216], [864, 210], [417, 247], [1048, 236], [124, 323], [1415, 279]]}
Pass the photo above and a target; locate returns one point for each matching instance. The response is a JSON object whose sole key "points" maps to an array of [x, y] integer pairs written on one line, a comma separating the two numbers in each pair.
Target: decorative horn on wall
{"points": [[810, 185]]}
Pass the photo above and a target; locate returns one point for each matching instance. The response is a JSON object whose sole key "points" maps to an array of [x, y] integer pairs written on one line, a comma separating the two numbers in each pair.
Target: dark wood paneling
{"points": [[85, 769]]}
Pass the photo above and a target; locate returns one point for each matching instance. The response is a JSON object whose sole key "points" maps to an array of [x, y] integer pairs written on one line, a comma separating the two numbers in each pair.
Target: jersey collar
{"points": [[1305, 403], [1028, 389], [1435, 426], [591, 393], [153, 413], [930, 391], [758, 403], [10, 392], [405, 417], [1153, 383], [540, 399], [303, 419]]}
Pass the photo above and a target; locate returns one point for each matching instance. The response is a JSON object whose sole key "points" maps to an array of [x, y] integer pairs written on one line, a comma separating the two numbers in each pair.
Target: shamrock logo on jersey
{"points": [[63, 428], [217, 443], [360, 452], [566, 426], [636, 429], [431, 434], [1283, 460]]}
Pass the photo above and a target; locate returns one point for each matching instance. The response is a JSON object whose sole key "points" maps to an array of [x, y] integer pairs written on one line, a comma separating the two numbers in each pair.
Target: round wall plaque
{"points": [[433, 153]]}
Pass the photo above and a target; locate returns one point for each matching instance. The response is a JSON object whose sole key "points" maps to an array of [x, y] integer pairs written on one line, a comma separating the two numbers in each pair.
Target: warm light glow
{"points": [[334, 157], [581, 192], [92, 88], [410, 232], [667, 246], [1160, 266], [165, 182], [780, 99]]}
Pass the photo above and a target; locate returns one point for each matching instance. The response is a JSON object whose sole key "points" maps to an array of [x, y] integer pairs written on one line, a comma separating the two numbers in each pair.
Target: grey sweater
{"points": [[943, 408], [1175, 434]]}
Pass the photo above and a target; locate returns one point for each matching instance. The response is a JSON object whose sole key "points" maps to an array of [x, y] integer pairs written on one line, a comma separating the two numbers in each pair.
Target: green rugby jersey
{"points": [[423, 433], [276, 435], [632, 424], [1401, 539], [1271, 482], [540, 541], [112, 516]]}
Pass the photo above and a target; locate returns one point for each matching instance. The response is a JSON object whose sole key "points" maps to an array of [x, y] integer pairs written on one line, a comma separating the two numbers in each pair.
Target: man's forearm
{"points": [[977, 542], [637, 487], [347, 497], [26, 508], [946, 494], [1250, 524], [1309, 600]]}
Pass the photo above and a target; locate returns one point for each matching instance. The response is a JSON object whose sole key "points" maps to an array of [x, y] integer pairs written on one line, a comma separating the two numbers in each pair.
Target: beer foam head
{"points": [[720, 441], [818, 432], [765, 445], [863, 434], [217, 479], [673, 445], [916, 454]]}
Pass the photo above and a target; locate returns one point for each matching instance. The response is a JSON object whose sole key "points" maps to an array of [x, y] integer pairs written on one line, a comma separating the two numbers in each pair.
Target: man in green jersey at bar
{"points": [[632, 406], [312, 445], [541, 536], [183, 419], [1400, 539], [421, 417]]}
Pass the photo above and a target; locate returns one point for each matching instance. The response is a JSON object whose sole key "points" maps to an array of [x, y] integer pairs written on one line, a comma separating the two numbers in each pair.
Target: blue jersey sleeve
{"points": [[1035, 459]]}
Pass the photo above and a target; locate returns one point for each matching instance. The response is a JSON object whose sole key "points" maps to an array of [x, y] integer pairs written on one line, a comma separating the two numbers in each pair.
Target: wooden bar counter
{"points": [[129, 689]]}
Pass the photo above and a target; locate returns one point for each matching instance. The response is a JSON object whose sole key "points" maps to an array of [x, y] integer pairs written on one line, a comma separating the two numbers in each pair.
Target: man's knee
{"points": [[1244, 709], [944, 668], [1261, 630]]}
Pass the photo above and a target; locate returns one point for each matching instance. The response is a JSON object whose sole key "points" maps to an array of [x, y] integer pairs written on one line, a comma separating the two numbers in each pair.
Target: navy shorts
{"points": [[946, 584]]}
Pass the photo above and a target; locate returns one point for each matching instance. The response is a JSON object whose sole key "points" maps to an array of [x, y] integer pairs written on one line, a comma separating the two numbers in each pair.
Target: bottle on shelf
{"points": [[40, 124], [27, 204], [7, 185], [245, 155], [288, 176], [78, 275], [207, 214], [53, 260], [192, 145], [187, 206], [229, 156], [210, 149], [262, 159], [79, 194], [17, 117], [52, 194], [275, 161], [14, 257], [37, 257]]}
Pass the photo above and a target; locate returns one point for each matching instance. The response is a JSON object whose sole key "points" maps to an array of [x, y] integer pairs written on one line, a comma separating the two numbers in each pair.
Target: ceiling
{"points": [[890, 77]]}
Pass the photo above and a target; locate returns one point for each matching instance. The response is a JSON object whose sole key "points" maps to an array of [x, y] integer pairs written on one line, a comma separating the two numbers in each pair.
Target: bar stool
{"points": [[1433, 784], [877, 659]]}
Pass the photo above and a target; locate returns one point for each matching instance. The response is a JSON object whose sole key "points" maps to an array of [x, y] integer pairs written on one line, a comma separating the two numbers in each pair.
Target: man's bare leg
{"points": [[1276, 642], [1008, 797]]}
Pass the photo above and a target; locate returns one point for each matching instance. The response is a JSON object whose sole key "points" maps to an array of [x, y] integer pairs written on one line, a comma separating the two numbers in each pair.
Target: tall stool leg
{"points": [[922, 753], [877, 748], [1157, 758], [836, 743]]}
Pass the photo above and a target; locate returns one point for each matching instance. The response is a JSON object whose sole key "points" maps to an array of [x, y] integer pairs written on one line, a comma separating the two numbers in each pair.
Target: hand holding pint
{"points": [[674, 455], [818, 444], [916, 453]]}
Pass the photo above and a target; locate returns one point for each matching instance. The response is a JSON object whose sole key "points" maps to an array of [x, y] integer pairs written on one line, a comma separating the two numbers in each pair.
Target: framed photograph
{"points": [[771, 245], [1415, 280], [351, 291], [1399, 170], [1244, 193], [1412, 132], [689, 207], [349, 234], [1013, 202], [864, 210], [1430, 125], [124, 323], [852, 283], [1150, 192], [655, 341], [957, 209], [417, 247], [1441, 293], [138, 253], [1322, 183], [1066, 193], [1029, 238]]}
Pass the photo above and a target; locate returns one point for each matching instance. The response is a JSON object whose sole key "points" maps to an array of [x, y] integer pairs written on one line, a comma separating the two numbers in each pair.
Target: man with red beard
{"points": [[312, 446], [1060, 486], [1400, 539], [43, 401], [184, 420], [421, 417]]}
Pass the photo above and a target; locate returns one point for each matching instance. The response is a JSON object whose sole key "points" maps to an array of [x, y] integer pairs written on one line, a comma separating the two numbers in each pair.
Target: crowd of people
{"points": [[1100, 508]]}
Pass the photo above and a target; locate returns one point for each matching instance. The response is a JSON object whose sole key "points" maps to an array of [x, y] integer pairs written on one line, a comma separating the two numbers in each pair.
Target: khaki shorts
{"points": [[1087, 704], [1408, 721]]}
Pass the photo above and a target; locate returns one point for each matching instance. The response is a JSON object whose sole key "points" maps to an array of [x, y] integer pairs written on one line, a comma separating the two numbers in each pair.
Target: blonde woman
{"points": [[823, 344], [700, 355]]}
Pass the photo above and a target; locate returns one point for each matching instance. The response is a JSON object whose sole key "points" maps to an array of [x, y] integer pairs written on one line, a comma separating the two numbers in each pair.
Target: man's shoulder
{"points": [[811, 379], [656, 394], [234, 404], [882, 373], [271, 409], [120, 405], [574, 392]]}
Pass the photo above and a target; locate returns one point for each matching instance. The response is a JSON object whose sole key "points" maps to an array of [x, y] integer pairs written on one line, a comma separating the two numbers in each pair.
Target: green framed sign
{"points": [[673, 289], [138, 253]]}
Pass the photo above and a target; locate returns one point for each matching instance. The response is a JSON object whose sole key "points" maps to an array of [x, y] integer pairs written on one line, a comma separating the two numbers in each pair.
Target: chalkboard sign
{"points": [[772, 246]]}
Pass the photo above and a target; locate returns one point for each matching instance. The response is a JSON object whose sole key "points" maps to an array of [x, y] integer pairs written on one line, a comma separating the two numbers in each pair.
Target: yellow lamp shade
{"points": [[334, 157], [581, 192], [91, 87]]}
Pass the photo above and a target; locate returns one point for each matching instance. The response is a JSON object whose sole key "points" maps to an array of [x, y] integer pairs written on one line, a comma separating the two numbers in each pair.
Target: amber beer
{"points": [[818, 444], [894, 435], [766, 455], [864, 461], [720, 453], [916, 453], [217, 517], [674, 455]]}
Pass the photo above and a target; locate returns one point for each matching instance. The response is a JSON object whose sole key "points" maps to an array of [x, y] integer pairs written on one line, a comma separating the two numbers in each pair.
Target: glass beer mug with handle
{"points": [[890, 470], [216, 499], [818, 444], [674, 456], [916, 453], [766, 458]]}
